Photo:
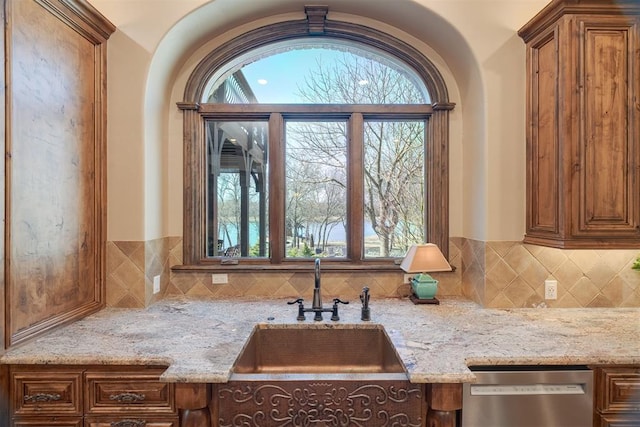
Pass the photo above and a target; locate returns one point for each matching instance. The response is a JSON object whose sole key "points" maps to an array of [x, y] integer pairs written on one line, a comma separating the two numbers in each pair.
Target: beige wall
{"points": [[474, 43], [125, 151]]}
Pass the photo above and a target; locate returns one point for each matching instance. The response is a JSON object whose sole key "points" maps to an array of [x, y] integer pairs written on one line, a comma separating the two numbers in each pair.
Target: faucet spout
{"points": [[317, 273], [317, 297], [364, 297]]}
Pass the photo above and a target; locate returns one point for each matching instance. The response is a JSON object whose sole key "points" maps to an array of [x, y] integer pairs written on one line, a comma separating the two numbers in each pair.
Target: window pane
{"points": [[316, 205], [236, 189], [320, 71], [394, 187]]}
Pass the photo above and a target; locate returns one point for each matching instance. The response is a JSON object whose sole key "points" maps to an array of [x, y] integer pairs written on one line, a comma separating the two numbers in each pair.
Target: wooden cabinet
{"points": [[617, 396], [123, 396], [583, 124], [53, 172]]}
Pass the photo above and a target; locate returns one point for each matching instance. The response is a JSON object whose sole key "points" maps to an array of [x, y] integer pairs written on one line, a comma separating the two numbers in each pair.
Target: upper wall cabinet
{"points": [[54, 167], [583, 127]]}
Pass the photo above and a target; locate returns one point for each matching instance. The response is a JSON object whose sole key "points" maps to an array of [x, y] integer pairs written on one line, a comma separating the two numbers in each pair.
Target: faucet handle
{"points": [[334, 310], [300, 308]]}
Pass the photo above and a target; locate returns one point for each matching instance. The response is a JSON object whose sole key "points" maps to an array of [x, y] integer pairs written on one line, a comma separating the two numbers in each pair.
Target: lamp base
{"points": [[414, 299]]}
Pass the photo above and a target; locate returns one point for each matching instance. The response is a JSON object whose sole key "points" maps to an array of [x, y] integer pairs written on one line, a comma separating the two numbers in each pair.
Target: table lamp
{"points": [[422, 259]]}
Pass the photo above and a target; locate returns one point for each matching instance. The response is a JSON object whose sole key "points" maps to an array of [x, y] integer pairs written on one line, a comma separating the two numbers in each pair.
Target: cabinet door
{"points": [[543, 142], [606, 191], [618, 390], [617, 398], [55, 213]]}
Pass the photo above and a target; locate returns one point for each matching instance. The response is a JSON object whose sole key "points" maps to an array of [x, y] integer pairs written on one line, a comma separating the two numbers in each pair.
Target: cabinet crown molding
{"points": [[558, 8]]}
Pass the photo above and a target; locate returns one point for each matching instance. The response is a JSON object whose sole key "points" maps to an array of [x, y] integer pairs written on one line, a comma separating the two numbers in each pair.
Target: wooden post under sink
{"points": [[192, 401], [443, 401]]}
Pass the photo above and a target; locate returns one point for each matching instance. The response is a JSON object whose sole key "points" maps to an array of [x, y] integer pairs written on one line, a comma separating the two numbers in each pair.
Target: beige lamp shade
{"points": [[424, 258]]}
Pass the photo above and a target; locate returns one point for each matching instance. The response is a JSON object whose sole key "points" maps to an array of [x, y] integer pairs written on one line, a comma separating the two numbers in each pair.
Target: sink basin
{"points": [[294, 352], [319, 374]]}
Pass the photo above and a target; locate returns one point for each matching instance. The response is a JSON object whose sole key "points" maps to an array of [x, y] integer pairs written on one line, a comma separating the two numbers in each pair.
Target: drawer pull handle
{"points": [[42, 397], [129, 423], [127, 397]]}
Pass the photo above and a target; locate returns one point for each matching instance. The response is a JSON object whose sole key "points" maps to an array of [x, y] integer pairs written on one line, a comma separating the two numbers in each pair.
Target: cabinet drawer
{"points": [[47, 392], [47, 422], [131, 422], [619, 390], [128, 392]]}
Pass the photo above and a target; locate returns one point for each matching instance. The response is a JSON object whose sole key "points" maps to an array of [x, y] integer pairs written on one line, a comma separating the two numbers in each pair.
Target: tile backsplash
{"points": [[494, 274], [131, 267], [512, 274]]}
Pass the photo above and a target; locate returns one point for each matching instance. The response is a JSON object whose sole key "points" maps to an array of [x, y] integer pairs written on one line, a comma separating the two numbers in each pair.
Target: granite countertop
{"points": [[199, 340]]}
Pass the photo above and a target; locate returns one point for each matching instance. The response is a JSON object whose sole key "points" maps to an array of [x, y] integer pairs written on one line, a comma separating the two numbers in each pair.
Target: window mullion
{"points": [[276, 188], [355, 189]]}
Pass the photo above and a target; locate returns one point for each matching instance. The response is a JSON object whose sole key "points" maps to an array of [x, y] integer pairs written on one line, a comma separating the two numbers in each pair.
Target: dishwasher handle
{"points": [[526, 389]]}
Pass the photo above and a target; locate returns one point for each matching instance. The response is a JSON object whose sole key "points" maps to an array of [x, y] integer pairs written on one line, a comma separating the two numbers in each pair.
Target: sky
{"points": [[284, 73], [276, 77]]}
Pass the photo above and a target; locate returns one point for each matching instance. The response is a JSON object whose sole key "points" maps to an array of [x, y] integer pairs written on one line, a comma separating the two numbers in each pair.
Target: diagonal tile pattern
{"points": [[504, 274], [125, 274], [586, 278]]}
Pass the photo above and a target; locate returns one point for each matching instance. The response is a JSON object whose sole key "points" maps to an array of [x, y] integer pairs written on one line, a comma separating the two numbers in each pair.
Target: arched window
{"points": [[314, 138]]}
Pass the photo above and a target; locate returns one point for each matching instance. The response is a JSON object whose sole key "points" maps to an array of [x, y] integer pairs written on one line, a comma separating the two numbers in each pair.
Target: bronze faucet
{"points": [[316, 305]]}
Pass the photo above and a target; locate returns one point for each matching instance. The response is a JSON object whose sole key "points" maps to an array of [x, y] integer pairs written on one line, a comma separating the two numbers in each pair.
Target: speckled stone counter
{"points": [[199, 340]]}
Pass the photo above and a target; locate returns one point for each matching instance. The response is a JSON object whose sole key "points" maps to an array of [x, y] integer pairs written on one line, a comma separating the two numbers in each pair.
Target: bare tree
{"points": [[229, 207], [394, 150], [315, 171], [393, 181]]}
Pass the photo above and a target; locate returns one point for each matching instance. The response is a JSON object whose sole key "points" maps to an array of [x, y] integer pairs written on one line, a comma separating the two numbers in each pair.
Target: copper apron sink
{"points": [[301, 352]]}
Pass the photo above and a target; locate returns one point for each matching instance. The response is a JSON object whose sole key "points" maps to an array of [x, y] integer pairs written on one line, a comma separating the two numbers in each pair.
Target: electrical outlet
{"points": [[219, 279], [156, 284], [550, 289], [407, 278]]}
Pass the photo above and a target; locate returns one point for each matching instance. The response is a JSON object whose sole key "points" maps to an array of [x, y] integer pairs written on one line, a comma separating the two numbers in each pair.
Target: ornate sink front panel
{"points": [[322, 403]]}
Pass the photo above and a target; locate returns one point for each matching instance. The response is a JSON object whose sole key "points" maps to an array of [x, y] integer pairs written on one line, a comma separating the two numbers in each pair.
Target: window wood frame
{"points": [[436, 116]]}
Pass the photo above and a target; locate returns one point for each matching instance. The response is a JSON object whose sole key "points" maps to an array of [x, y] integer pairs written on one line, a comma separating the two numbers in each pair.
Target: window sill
{"points": [[293, 266]]}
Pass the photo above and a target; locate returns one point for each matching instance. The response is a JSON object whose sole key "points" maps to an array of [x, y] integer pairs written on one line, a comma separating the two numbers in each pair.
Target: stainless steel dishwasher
{"points": [[529, 396]]}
